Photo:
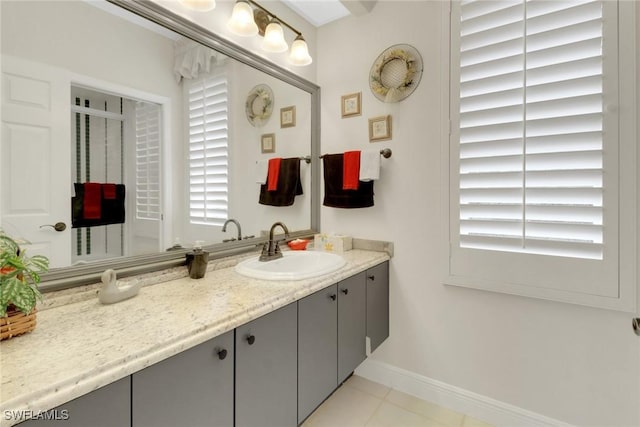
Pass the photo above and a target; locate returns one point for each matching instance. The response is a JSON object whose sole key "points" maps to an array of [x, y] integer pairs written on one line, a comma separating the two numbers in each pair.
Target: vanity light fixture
{"points": [[299, 54], [200, 5], [273, 40], [242, 22], [249, 18]]}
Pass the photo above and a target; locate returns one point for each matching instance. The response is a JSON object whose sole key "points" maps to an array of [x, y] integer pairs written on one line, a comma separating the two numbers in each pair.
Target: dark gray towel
{"points": [[112, 209], [289, 185], [334, 195]]}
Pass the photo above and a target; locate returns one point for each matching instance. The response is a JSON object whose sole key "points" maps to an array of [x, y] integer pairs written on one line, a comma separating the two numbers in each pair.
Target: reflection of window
{"points": [[147, 160], [534, 148], [208, 150]]}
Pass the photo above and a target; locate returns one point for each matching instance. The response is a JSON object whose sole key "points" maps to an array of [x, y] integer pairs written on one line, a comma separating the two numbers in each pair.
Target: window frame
{"points": [[493, 278]]}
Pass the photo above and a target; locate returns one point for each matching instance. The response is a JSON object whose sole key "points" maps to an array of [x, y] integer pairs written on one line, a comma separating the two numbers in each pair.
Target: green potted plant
{"points": [[19, 279]]}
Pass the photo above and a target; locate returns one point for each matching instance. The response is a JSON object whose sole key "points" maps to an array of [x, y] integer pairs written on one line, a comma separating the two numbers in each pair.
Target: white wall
{"points": [[575, 364], [289, 142], [245, 151], [216, 21], [572, 363], [90, 44]]}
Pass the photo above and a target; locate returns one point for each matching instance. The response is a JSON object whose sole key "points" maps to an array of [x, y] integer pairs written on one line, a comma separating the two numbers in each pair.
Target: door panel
{"points": [[317, 349], [266, 370], [352, 312], [35, 156]]}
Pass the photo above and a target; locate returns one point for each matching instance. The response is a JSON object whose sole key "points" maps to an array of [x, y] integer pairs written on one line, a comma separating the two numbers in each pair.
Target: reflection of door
{"points": [[34, 157]]}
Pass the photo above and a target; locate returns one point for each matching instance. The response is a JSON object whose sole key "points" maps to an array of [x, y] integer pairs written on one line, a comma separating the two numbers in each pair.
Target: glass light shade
{"points": [[200, 5], [299, 54], [274, 38], [241, 22]]}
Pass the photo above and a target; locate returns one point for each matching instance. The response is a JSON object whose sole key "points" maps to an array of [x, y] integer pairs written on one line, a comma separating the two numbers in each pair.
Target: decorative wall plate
{"points": [[259, 105], [396, 73]]}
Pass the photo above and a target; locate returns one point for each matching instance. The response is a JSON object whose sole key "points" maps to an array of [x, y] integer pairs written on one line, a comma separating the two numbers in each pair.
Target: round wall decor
{"points": [[396, 73], [259, 105]]}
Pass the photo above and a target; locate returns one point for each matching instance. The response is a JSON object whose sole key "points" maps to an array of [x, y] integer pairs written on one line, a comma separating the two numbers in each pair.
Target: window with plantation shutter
{"points": [[147, 131], [208, 149], [534, 147]]}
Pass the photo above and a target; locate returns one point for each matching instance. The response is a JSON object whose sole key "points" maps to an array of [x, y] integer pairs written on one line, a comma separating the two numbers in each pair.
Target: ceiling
{"points": [[320, 12]]}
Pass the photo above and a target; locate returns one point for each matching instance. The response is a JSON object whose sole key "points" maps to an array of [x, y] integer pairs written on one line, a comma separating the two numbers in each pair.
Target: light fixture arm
{"points": [[273, 16]]}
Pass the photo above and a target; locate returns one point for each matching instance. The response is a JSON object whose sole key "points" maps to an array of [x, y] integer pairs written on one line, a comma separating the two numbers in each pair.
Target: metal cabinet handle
{"points": [[636, 325], [59, 226], [251, 339], [333, 297], [222, 354], [372, 277], [345, 291]]}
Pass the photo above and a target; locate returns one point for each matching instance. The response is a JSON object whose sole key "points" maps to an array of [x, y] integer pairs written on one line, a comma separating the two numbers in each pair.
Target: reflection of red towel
{"points": [[351, 170], [273, 173], [109, 191], [92, 200]]}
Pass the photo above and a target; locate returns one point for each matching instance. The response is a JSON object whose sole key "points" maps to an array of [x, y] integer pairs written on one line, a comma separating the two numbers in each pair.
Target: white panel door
{"points": [[34, 157]]}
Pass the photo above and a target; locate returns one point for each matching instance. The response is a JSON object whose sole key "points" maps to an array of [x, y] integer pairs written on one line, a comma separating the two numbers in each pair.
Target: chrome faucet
{"points": [[271, 249], [224, 229]]}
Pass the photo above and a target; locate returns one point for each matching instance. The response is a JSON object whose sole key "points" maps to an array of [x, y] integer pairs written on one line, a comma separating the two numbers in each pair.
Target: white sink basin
{"points": [[294, 265]]}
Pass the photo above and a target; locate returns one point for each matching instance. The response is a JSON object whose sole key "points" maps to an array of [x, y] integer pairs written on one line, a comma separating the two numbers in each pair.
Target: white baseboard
{"points": [[484, 408]]}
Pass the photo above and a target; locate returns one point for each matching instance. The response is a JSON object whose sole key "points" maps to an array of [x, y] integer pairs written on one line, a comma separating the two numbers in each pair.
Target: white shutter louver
{"points": [[208, 150], [531, 127], [147, 124]]}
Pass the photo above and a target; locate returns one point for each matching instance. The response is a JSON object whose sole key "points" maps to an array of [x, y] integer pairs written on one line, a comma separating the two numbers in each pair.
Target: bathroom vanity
{"points": [[223, 350]]}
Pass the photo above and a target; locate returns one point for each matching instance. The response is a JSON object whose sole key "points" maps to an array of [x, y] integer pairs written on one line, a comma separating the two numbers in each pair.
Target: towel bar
{"points": [[385, 152]]}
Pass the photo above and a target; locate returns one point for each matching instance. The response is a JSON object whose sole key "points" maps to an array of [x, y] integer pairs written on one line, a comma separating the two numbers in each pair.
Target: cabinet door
{"points": [[191, 389], [351, 324], [266, 370], [108, 406], [378, 304], [317, 349]]}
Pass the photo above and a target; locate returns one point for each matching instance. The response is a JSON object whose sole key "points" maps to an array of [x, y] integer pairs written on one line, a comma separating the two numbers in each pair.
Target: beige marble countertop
{"points": [[83, 345]]}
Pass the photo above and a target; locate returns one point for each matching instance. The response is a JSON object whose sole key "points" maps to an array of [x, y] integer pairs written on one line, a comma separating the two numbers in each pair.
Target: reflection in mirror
{"points": [[133, 136]]}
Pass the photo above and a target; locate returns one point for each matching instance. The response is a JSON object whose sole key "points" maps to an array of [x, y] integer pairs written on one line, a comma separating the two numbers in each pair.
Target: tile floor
{"points": [[363, 403]]}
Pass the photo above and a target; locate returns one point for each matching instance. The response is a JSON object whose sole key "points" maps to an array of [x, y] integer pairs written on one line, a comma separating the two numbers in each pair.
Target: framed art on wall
{"points": [[288, 117], [351, 105], [268, 143], [379, 128]]}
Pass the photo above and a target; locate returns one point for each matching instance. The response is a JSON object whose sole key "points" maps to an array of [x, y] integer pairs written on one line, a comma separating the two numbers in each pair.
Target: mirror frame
{"points": [[67, 277]]}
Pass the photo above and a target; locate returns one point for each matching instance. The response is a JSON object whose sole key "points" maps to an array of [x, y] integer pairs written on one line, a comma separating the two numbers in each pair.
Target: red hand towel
{"points": [[92, 201], [351, 170], [273, 173], [109, 191]]}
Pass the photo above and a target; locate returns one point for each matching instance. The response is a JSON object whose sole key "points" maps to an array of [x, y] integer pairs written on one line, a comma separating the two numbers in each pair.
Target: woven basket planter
{"points": [[16, 323]]}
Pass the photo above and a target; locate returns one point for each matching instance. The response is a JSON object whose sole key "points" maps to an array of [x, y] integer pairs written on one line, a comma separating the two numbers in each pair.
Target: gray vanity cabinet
{"points": [[271, 372], [317, 349], [378, 304], [266, 370], [191, 389], [352, 329], [108, 406]]}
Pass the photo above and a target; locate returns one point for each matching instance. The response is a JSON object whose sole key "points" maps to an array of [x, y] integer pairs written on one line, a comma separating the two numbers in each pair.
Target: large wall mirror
{"points": [[130, 134]]}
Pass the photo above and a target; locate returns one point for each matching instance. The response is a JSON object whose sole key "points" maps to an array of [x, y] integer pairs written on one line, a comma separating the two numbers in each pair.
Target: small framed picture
{"points": [[379, 128], [288, 117], [351, 105], [268, 143]]}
